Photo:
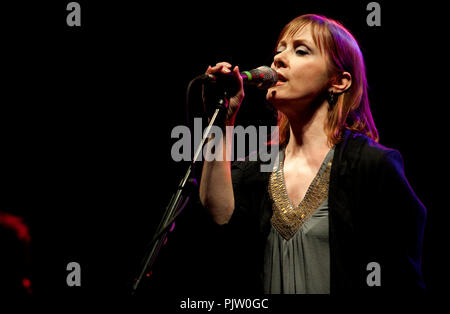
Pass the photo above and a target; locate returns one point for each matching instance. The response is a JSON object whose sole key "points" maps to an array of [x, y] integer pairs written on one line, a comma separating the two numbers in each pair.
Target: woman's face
{"points": [[302, 72]]}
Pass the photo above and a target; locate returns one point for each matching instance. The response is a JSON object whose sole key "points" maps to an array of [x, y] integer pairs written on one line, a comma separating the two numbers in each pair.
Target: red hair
{"points": [[351, 110]]}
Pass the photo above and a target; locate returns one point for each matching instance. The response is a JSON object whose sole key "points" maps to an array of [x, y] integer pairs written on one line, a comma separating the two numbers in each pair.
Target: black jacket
{"points": [[374, 216]]}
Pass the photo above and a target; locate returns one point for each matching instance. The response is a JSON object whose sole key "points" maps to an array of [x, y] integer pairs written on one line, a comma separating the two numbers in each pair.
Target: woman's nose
{"points": [[279, 60]]}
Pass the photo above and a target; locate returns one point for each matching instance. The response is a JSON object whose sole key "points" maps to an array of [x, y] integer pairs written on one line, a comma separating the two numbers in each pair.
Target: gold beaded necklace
{"points": [[286, 218]]}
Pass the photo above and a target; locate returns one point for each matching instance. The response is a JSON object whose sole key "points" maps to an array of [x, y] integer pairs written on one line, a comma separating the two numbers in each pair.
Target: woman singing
{"points": [[336, 214]]}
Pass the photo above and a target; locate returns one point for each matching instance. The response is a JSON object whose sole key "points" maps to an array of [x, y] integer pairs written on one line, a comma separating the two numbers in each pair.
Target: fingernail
{"points": [[226, 70]]}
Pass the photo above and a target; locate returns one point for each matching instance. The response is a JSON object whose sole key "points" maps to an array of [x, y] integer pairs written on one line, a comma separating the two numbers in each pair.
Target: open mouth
{"points": [[281, 78]]}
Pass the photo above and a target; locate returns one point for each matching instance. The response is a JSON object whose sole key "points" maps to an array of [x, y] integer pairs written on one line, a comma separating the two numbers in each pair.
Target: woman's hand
{"points": [[236, 100]]}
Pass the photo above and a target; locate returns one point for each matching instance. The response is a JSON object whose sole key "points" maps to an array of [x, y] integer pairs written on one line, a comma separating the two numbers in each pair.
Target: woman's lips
{"points": [[281, 79]]}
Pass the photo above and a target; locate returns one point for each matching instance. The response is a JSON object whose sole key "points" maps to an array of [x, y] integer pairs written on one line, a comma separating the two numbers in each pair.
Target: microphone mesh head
{"points": [[268, 76]]}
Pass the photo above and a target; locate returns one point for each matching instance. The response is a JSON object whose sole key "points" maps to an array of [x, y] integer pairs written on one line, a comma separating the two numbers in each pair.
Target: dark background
{"points": [[86, 115]]}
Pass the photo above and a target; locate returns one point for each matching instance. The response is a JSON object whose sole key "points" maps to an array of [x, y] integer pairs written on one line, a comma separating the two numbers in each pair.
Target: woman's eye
{"points": [[301, 52]]}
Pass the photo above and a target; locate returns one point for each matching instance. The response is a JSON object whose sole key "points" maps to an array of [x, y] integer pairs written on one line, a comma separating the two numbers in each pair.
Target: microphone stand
{"points": [[179, 200]]}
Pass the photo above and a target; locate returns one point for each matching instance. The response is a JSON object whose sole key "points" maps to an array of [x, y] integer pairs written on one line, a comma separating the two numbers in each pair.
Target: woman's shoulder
{"points": [[371, 153], [256, 163], [256, 158], [248, 163]]}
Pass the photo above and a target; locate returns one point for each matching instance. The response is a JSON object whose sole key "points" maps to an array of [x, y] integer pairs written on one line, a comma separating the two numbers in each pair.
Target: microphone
{"points": [[262, 77]]}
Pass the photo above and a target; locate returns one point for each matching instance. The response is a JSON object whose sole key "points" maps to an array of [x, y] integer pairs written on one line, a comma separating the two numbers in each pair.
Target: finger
{"points": [[237, 75], [223, 67], [218, 67], [225, 64], [209, 70]]}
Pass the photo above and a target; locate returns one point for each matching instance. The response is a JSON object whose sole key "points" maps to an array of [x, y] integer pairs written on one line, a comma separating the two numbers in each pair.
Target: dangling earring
{"points": [[332, 99]]}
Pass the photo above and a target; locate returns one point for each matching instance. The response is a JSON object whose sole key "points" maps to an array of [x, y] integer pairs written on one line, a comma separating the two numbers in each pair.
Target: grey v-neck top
{"points": [[300, 265]]}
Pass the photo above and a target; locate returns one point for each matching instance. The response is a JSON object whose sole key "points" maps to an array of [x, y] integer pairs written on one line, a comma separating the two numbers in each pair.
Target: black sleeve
{"points": [[241, 236], [400, 217], [240, 174]]}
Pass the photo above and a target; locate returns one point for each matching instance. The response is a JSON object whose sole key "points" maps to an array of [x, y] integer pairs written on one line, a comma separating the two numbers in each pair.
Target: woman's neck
{"points": [[307, 133]]}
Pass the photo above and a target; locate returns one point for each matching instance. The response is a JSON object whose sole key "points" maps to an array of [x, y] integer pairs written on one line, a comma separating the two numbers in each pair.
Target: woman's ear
{"points": [[341, 83]]}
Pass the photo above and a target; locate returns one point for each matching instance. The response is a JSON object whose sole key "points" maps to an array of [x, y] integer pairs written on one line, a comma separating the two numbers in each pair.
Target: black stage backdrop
{"points": [[87, 114]]}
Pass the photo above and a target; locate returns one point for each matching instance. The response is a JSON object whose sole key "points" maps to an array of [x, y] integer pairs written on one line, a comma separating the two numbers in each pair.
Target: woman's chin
{"points": [[273, 97]]}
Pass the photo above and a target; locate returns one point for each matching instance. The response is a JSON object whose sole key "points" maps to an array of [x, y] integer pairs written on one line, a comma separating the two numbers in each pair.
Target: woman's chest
{"points": [[297, 182]]}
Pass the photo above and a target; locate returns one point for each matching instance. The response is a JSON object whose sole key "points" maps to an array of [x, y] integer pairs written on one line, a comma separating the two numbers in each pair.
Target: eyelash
{"points": [[298, 51], [301, 52]]}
